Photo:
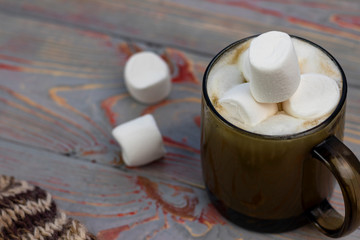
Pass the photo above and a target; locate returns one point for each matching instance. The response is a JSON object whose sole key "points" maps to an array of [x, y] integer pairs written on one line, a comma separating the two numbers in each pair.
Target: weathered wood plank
{"points": [[69, 104], [126, 205], [62, 90], [207, 26]]}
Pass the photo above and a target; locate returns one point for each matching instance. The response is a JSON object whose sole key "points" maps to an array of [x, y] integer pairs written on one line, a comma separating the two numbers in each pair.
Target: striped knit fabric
{"points": [[28, 212]]}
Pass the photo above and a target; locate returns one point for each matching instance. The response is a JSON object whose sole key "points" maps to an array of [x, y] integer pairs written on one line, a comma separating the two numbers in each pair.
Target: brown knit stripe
{"points": [[28, 212], [22, 198], [28, 224], [47, 231], [20, 187], [19, 211]]}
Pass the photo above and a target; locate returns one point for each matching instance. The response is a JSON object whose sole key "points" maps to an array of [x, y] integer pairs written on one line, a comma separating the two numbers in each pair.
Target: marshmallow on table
{"points": [[316, 97], [140, 141], [147, 77], [223, 79], [238, 105], [274, 68]]}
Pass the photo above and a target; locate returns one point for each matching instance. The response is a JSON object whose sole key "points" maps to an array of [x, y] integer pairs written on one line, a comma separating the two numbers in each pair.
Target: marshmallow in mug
{"points": [[147, 77], [238, 105], [140, 141], [273, 67], [223, 79], [301, 112], [316, 96], [313, 60]]}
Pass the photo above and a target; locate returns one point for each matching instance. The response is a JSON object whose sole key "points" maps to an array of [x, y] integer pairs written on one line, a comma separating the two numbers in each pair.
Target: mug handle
{"points": [[346, 168]]}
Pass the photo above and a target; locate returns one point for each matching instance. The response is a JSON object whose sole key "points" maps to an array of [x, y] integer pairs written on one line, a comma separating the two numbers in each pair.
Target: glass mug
{"points": [[278, 183]]}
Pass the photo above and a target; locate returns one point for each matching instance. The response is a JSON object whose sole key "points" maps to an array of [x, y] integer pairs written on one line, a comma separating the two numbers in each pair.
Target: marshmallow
{"points": [[274, 69], [238, 105], [140, 141], [316, 97], [280, 124], [223, 79], [244, 64], [147, 77], [313, 60]]}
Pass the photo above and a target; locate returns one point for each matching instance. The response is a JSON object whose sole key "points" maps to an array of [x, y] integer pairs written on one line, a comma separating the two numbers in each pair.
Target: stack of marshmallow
{"points": [[147, 78], [269, 92]]}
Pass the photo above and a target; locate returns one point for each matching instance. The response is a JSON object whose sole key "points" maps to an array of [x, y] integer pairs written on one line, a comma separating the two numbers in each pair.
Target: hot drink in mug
{"points": [[273, 112]]}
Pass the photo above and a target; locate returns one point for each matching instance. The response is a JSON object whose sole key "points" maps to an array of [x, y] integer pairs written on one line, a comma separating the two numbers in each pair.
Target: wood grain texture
{"points": [[123, 205], [62, 92], [206, 26], [78, 103]]}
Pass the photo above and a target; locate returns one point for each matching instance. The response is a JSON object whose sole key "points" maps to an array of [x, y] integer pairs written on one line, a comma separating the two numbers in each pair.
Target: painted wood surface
{"points": [[62, 92]]}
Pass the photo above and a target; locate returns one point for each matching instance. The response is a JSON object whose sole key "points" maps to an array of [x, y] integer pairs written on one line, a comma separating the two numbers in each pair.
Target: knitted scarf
{"points": [[28, 212]]}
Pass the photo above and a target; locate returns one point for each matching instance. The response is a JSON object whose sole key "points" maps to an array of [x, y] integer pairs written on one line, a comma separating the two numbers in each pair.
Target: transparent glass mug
{"points": [[278, 183]]}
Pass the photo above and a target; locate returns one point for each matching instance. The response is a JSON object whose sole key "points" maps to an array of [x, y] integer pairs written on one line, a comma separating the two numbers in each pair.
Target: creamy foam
{"points": [[311, 60]]}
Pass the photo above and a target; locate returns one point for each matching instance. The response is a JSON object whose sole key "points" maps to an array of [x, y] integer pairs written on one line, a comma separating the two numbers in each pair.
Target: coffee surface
{"points": [[310, 59]]}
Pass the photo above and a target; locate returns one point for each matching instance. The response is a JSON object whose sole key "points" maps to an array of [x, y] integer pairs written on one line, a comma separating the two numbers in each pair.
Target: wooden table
{"points": [[62, 92]]}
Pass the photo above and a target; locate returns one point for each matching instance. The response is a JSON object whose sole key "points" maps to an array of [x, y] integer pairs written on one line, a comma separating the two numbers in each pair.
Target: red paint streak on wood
{"points": [[14, 59], [210, 216], [92, 152], [128, 50], [294, 20], [117, 160], [114, 233], [346, 21], [55, 188], [151, 190], [310, 4], [117, 194], [322, 28], [174, 143], [177, 219], [97, 204], [336, 5], [164, 227], [94, 215], [197, 121], [180, 66], [250, 6], [105, 38], [178, 188], [107, 105], [200, 67], [7, 67], [57, 181]]}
